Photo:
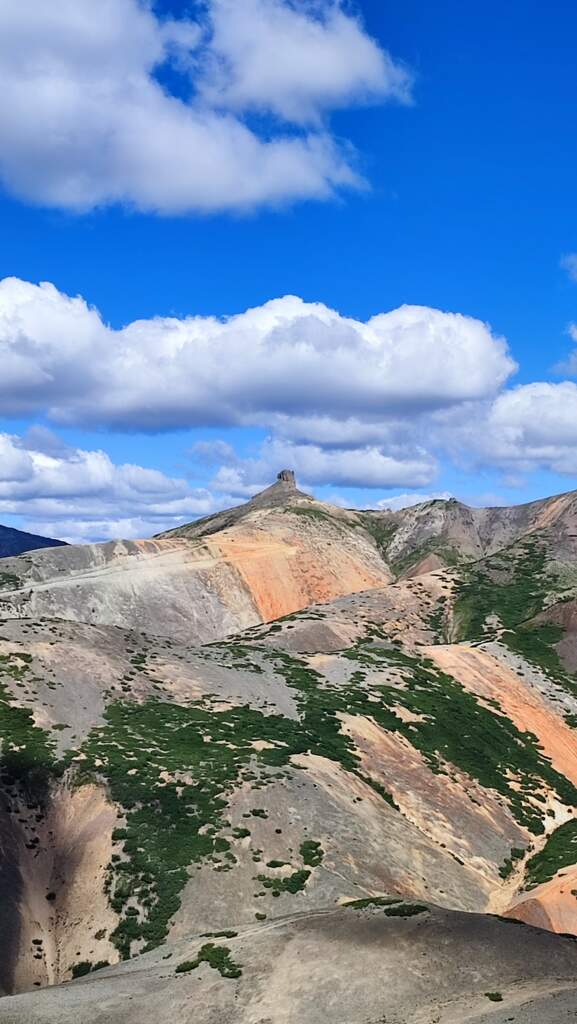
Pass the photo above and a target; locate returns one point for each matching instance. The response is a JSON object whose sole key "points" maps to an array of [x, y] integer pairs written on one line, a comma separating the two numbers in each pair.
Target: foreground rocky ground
{"points": [[400, 963]]}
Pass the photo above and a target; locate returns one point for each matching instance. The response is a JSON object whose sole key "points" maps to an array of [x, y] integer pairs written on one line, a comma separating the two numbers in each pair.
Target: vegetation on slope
{"points": [[171, 769], [447, 553], [218, 957], [451, 728], [560, 851], [508, 590], [27, 762], [510, 585]]}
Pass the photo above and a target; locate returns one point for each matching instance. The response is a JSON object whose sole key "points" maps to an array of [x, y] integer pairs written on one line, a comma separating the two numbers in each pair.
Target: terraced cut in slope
{"points": [[170, 809]]}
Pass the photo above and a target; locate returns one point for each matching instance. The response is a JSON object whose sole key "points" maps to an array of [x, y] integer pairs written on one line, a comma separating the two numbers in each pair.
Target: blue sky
{"points": [[464, 143]]}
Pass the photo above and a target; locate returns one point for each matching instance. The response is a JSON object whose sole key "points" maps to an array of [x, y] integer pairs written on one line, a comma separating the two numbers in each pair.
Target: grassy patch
{"points": [[448, 554], [314, 513], [392, 907], [291, 883], [380, 530], [217, 957], [511, 586], [514, 587], [171, 825], [9, 581], [405, 910], [452, 728], [535, 642], [27, 760], [371, 901], [83, 967], [560, 851], [312, 853]]}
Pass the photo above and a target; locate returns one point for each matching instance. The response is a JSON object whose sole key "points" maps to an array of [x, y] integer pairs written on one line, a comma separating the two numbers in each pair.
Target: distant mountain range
{"points": [[293, 763], [16, 542]]}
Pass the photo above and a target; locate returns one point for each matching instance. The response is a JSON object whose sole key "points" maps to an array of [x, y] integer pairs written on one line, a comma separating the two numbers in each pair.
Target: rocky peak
{"points": [[286, 476], [283, 490]]}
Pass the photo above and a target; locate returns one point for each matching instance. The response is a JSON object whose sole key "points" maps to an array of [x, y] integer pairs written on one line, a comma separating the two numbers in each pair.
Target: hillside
{"points": [[280, 552], [16, 542], [338, 815], [353, 965]]}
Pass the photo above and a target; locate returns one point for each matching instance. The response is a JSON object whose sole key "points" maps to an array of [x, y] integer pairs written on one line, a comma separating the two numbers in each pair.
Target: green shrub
{"points": [[217, 957]]}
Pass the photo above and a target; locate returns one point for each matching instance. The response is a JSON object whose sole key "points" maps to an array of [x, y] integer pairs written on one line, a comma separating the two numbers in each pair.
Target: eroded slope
{"points": [[237, 780], [413, 743]]}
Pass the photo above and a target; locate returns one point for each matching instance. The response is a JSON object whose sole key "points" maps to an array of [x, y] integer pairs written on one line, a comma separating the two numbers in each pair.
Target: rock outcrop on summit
{"points": [[360, 807]]}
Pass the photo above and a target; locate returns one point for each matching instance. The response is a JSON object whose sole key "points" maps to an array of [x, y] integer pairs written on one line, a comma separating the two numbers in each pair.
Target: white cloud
{"points": [[526, 428], [569, 263], [286, 361], [351, 467], [72, 493], [325, 60], [88, 531], [399, 501], [329, 431], [86, 120]]}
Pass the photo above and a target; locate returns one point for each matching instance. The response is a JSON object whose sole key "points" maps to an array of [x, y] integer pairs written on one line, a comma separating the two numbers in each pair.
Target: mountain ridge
{"points": [[17, 542], [281, 551]]}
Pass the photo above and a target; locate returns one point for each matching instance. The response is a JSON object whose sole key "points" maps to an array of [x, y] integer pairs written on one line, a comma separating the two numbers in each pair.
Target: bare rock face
{"points": [[286, 476]]}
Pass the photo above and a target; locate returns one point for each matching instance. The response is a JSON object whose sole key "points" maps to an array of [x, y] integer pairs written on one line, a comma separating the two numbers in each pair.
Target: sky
{"points": [[239, 236]]}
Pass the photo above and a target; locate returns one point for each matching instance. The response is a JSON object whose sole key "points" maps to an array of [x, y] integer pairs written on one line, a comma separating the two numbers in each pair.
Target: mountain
{"points": [[16, 542], [362, 810], [280, 552]]}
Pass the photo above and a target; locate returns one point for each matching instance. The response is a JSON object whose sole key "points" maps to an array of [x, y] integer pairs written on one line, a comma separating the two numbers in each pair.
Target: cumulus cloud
{"points": [[285, 362], [82, 495], [325, 60], [95, 530], [351, 467], [530, 427], [346, 403], [88, 117], [399, 501]]}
